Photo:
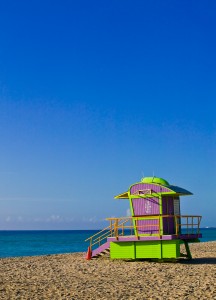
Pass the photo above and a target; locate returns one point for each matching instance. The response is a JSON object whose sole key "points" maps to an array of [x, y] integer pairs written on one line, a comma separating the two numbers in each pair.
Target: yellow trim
{"points": [[122, 196]]}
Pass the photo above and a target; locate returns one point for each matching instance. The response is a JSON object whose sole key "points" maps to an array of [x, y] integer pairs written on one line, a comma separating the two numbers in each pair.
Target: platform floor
{"points": [[132, 238]]}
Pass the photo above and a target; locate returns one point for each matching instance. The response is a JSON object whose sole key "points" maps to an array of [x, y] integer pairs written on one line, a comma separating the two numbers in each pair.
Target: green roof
{"points": [[157, 180]]}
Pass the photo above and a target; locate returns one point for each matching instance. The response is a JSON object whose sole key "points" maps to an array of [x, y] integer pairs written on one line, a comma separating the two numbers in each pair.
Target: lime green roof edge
{"points": [[156, 180]]}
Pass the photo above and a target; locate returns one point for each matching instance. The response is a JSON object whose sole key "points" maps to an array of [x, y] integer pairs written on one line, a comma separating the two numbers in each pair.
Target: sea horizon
{"points": [[19, 243]]}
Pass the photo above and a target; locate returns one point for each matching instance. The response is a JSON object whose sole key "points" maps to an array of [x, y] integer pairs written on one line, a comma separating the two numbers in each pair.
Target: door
{"points": [[168, 213]]}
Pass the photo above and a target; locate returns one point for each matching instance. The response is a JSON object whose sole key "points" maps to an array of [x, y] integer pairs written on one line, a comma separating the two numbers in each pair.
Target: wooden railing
{"points": [[134, 226], [191, 224], [163, 225]]}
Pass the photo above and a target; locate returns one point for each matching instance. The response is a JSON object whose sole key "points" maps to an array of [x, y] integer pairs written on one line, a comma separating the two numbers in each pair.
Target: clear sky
{"points": [[94, 95]]}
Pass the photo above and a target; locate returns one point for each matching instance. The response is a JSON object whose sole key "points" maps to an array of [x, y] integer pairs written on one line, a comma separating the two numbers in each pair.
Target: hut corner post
{"points": [[187, 248]]}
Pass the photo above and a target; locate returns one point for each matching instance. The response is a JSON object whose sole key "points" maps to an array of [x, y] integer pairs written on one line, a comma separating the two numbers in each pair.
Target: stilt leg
{"points": [[189, 256]]}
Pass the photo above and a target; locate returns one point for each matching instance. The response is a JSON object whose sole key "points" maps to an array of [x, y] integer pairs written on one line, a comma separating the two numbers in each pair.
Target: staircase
{"points": [[102, 253], [99, 244], [100, 250]]}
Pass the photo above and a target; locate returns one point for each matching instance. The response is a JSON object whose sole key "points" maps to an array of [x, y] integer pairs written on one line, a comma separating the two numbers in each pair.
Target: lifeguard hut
{"points": [[155, 228]]}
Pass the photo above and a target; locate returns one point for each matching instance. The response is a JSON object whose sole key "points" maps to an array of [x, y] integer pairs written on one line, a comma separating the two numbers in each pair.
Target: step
{"points": [[101, 249]]}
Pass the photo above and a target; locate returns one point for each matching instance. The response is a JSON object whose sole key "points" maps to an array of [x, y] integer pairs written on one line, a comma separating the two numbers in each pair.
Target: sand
{"points": [[70, 276]]}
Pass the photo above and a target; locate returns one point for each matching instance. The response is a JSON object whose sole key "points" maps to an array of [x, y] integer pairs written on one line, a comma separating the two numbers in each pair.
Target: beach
{"points": [[70, 276]]}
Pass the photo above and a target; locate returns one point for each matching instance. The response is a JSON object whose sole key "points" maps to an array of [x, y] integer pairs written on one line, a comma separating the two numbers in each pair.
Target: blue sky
{"points": [[95, 95]]}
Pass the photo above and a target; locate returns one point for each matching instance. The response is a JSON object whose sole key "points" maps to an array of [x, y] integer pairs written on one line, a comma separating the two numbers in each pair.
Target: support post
{"points": [[189, 256]]}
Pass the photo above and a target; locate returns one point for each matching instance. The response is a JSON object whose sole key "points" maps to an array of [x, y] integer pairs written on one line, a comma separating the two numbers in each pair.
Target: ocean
{"points": [[45, 242]]}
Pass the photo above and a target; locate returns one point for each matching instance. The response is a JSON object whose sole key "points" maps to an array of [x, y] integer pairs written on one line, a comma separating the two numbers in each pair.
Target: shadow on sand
{"points": [[199, 261], [184, 261]]}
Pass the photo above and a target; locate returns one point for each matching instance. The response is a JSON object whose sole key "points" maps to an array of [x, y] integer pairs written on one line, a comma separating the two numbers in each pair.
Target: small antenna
{"points": [[153, 176]]}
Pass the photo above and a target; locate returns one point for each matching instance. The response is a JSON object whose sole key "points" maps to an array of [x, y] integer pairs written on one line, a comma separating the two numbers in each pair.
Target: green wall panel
{"points": [[170, 249], [148, 249], [122, 250]]}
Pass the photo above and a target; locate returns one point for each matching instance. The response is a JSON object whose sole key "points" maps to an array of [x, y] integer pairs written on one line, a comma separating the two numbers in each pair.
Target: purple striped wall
{"points": [[154, 187], [144, 207], [148, 226]]}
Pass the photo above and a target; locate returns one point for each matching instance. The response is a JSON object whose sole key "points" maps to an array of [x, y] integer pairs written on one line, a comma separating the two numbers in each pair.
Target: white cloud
{"points": [[90, 220], [54, 218], [128, 212]]}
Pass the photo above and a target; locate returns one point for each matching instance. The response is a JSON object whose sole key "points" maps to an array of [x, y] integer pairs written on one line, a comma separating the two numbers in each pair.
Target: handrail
{"points": [[106, 232], [99, 239], [108, 227]]}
